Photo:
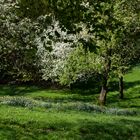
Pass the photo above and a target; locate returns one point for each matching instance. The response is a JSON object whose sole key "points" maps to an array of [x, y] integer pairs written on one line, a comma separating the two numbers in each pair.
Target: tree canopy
{"points": [[63, 41]]}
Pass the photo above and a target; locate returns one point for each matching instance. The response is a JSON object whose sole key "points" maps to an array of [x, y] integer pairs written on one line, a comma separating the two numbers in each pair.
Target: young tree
{"points": [[126, 53], [104, 23]]}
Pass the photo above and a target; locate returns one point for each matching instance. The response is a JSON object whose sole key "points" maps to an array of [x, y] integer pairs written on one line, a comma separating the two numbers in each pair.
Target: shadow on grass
{"points": [[13, 90], [14, 132], [120, 129], [87, 91], [131, 94], [67, 95], [114, 86], [123, 129]]}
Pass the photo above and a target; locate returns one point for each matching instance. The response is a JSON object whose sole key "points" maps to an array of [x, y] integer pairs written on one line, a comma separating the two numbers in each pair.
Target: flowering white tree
{"points": [[55, 44], [17, 48]]}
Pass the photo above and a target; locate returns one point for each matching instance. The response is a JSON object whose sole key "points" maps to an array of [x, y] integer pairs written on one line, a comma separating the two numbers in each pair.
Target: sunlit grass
{"points": [[47, 114], [131, 91], [27, 124]]}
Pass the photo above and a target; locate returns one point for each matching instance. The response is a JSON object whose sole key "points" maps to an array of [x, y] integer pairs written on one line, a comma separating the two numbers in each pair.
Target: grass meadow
{"points": [[34, 113]]}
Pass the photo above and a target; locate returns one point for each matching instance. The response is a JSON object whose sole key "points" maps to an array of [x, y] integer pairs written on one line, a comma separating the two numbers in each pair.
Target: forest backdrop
{"points": [[74, 43]]}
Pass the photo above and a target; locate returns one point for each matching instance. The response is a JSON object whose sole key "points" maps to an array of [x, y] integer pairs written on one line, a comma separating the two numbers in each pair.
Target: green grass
{"points": [[23, 123], [131, 92], [33, 113]]}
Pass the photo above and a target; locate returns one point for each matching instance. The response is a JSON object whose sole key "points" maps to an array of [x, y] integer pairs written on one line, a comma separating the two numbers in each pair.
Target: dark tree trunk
{"points": [[104, 90], [121, 86], [103, 93]]}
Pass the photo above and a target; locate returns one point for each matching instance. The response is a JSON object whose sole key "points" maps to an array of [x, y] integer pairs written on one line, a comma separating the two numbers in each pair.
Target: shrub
{"points": [[18, 101]]}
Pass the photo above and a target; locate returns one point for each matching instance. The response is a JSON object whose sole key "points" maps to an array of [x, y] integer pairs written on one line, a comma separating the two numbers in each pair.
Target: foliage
{"points": [[86, 107], [62, 114], [18, 101], [80, 66], [53, 46], [89, 97], [17, 48], [45, 38], [126, 54]]}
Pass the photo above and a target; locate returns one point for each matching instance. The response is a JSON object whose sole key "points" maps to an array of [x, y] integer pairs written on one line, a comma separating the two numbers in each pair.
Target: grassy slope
{"points": [[37, 123], [131, 93], [17, 123]]}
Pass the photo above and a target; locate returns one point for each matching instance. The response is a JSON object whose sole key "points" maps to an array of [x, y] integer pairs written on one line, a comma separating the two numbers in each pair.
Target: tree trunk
{"points": [[121, 86], [104, 90], [103, 93]]}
